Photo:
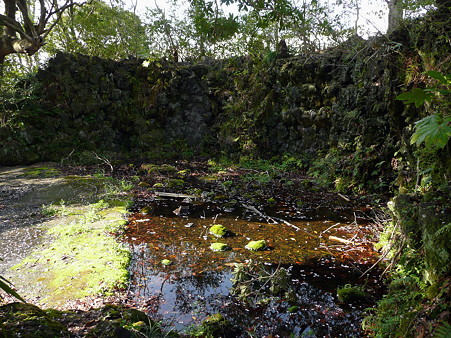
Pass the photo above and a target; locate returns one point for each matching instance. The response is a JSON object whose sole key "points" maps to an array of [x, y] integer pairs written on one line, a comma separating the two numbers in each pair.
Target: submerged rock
{"points": [[216, 326], [350, 294]]}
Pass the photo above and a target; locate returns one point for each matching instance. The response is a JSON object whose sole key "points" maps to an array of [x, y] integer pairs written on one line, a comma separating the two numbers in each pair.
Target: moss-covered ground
{"points": [[82, 258]]}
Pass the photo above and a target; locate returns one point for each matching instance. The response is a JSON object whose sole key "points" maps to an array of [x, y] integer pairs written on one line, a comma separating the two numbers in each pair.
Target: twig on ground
{"points": [[104, 160]]}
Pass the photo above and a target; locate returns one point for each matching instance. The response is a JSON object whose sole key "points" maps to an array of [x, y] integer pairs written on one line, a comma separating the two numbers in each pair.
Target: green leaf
{"points": [[5, 287], [416, 95], [433, 131], [437, 75]]}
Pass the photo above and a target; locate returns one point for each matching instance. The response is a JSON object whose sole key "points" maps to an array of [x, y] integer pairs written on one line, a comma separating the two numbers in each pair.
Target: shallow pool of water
{"points": [[198, 283]]}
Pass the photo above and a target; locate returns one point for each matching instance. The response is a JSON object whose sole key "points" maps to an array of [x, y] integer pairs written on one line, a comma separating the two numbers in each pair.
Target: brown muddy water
{"points": [[198, 282]]}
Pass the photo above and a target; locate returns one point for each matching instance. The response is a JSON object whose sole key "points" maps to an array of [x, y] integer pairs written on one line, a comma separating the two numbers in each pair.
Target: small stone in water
{"points": [[219, 247], [218, 230], [166, 262], [256, 245]]}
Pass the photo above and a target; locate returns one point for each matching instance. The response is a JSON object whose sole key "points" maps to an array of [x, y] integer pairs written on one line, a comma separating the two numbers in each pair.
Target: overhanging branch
{"points": [[13, 24]]}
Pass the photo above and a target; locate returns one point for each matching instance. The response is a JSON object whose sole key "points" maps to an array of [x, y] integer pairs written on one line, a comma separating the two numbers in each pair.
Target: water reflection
{"points": [[198, 282], [177, 293]]}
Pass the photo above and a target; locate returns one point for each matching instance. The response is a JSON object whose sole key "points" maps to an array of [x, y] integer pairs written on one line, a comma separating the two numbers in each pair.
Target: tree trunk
{"points": [[395, 14], [10, 12], [2, 69], [10, 45]]}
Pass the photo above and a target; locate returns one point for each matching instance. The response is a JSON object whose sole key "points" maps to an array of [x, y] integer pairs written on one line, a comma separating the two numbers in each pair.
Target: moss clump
{"points": [[351, 294], [271, 201], [41, 172], [219, 247], [218, 230], [293, 309], [173, 183], [166, 262], [256, 245], [27, 320], [214, 326], [164, 169]]}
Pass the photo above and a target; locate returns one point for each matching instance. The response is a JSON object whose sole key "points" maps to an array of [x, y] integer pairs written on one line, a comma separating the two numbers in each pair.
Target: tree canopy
{"points": [[187, 30], [99, 29]]}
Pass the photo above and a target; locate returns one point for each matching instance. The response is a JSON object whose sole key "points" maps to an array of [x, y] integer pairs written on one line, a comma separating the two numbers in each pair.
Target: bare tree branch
{"points": [[14, 25]]}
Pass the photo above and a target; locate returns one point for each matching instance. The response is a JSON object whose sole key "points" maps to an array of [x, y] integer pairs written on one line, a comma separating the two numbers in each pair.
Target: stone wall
{"points": [[343, 98]]}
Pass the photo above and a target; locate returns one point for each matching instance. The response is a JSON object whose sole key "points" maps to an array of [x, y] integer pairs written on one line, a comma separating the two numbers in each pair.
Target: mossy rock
{"points": [[293, 309], [256, 245], [111, 329], [216, 326], [41, 172], [166, 262], [351, 294], [174, 183], [219, 247], [27, 320], [164, 169], [146, 210], [218, 230], [120, 322], [111, 311], [271, 201]]}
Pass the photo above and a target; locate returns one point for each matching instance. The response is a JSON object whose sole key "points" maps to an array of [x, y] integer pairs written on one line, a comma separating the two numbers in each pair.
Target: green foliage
{"points": [[98, 29], [396, 311], [213, 326], [444, 331], [17, 91], [433, 130], [347, 169], [417, 96], [54, 210]]}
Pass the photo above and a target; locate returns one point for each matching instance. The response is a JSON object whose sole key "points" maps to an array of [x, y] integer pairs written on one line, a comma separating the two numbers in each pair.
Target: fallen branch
{"points": [[332, 226], [344, 197], [341, 240], [275, 220], [170, 194], [259, 213], [392, 244], [104, 160]]}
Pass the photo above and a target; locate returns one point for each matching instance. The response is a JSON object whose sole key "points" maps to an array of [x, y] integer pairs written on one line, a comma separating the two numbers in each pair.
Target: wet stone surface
{"points": [[21, 200]]}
